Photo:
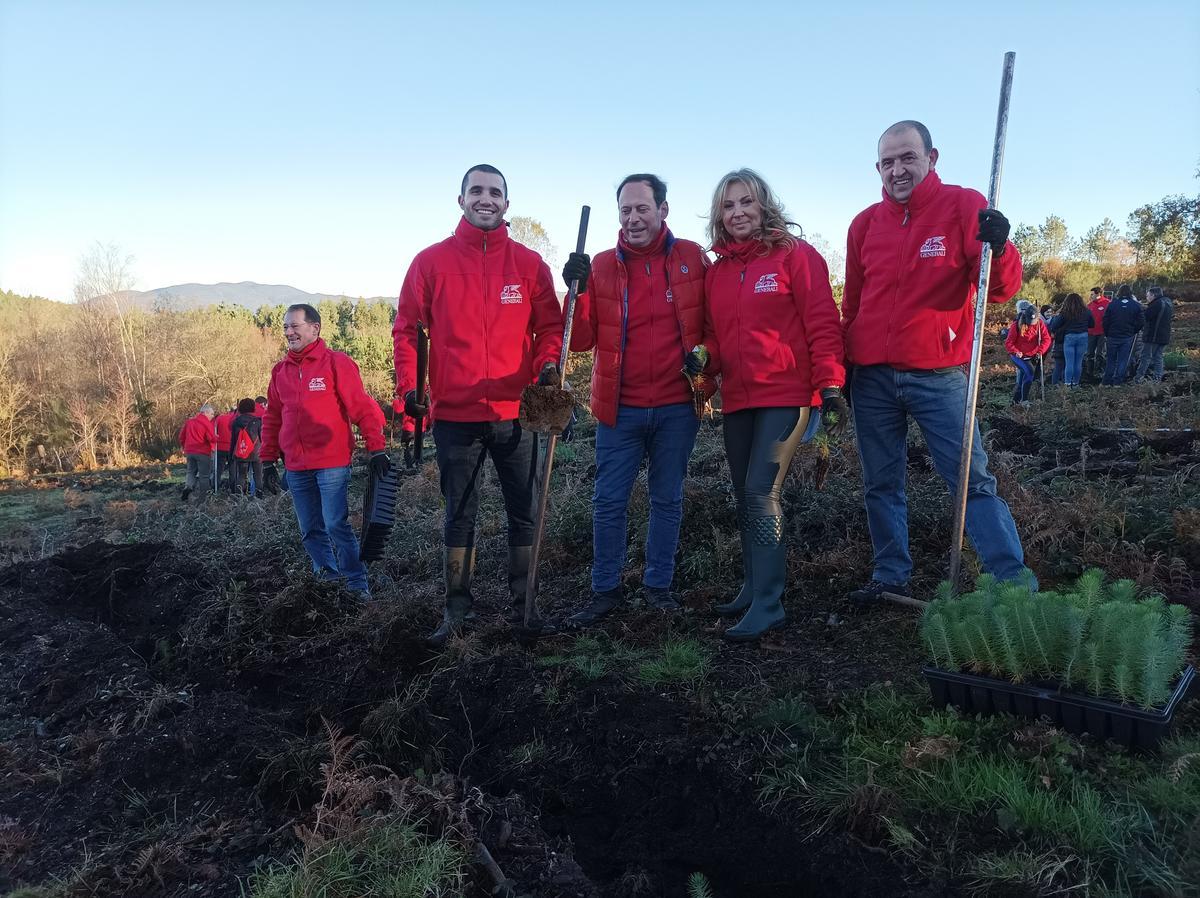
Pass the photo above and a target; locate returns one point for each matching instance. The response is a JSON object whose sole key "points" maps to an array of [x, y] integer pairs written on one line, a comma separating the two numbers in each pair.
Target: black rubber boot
{"points": [[768, 555], [458, 564], [741, 601], [518, 581], [602, 604]]}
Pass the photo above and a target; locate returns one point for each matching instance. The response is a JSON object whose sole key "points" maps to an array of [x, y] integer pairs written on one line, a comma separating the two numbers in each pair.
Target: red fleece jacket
{"points": [[1097, 307], [1028, 341], [315, 394], [224, 424], [911, 276], [774, 325], [198, 436], [493, 319]]}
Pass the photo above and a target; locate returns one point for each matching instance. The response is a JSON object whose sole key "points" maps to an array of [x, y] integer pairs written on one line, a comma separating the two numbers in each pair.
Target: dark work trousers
{"points": [[225, 461], [760, 443], [461, 448], [239, 473]]}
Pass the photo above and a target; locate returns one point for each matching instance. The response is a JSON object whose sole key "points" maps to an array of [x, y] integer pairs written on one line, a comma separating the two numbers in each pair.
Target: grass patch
{"points": [[1051, 809], [392, 860], [682, 661]]}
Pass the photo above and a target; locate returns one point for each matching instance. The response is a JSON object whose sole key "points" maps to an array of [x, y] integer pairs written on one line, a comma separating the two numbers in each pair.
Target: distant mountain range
{"points": [[245, 293]]}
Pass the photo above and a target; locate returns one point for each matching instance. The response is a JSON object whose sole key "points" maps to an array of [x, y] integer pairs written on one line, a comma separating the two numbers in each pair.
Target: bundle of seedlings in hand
{"points": [[1098, 637]]}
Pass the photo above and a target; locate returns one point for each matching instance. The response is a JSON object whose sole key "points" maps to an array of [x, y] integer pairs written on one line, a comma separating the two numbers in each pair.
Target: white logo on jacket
{"points": [[767, 284], [316, 384], [511, 295], [934, 246]]}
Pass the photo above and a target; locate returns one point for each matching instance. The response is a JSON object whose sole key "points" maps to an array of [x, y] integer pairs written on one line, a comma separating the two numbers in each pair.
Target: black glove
{"points": [[414, 409], [834, 411], [380, 463], [696, 361], [270, 482], [548, 377], [578, 267], [993, 229]]}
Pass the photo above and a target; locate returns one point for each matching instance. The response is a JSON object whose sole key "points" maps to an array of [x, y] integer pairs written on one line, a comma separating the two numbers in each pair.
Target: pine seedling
{"points": [[1073, 625], [1090, 588], [1122, 682], [1154, 682], [1123, 591], [1009, 643], [939, 641]]}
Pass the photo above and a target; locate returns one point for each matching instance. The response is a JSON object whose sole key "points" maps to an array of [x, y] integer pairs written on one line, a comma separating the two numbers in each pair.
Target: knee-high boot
{"points": [[768, 554], [741, 601], [458, 564]]}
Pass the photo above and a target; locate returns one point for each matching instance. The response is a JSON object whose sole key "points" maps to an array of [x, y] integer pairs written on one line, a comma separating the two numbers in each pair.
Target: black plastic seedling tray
{"points": [[1130, 726]]}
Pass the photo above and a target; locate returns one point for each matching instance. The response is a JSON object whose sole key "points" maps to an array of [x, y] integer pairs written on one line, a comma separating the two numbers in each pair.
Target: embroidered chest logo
{"points": [[933, 247], [511, 295], [768, 283], [316, 384]]}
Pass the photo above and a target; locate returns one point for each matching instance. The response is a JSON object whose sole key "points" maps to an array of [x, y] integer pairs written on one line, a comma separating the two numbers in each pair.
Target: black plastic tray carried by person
{"points": [[379, 514]]}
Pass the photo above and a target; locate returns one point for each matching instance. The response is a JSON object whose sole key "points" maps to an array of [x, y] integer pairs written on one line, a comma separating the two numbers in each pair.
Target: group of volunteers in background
{"points": [[224, 448], [1114, 339], [668, 328]]}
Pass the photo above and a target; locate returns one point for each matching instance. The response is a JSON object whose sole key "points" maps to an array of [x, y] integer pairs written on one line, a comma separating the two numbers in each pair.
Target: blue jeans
{"points": [[883, 397], [1025, 376], [1074, 349], [323, 514], [666, 436], [1152, 361], [1119, 350]]}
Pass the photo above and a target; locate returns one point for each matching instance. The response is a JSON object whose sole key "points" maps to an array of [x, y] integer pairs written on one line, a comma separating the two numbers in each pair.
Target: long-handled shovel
{"points": [[542, 411], [422, 371], [981, 298]]}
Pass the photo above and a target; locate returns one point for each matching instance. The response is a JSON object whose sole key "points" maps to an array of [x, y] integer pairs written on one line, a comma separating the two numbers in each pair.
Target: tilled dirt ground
{"points": [[160, 740]]}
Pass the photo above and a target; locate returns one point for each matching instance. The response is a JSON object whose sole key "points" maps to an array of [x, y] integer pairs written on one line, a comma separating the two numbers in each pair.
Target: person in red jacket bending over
{"points": [[494, 326], [777, 346], [912, 264], [642, 315], [1027, 342], [198, 438], [314, 395]]}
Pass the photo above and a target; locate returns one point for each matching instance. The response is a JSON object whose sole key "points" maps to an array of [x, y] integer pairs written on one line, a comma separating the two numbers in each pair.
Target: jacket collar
{"points": [[921, 196], [474, 237], [661, 246], [742, 250], [311, 351]]}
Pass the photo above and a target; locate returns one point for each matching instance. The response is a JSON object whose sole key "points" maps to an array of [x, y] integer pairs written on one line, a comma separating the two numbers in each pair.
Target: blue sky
{"points": [[322, 145]]}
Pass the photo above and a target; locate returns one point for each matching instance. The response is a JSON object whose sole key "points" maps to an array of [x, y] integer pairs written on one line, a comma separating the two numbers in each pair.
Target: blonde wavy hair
{"points": [[775, 223]]}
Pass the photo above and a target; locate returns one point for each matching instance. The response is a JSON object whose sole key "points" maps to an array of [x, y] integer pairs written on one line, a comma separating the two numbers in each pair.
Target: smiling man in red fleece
{"points": [[495, 326], [314, 396], [642, 315], [912, 264]]}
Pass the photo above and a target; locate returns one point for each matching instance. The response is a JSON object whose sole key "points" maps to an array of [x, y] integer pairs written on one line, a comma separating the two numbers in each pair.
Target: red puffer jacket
{"points": [[911, 276], [1097, 307], [774, 325], [493, 321], [314, 395], [674, 277], [198, 436]]}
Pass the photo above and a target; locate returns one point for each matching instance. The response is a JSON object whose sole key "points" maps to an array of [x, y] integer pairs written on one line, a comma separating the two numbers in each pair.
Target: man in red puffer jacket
{"points": [[912, 265], [494, 326], [641, 311], [198, 438], [314, 396]]}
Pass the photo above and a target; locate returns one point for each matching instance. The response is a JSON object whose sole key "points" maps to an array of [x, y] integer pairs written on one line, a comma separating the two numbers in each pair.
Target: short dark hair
{"points": [[246, 407], [311, 315], [1155, 292], [486, 169], [1124, 291], [657, 186], [260, 398], [910, 124], [1097, 290]]}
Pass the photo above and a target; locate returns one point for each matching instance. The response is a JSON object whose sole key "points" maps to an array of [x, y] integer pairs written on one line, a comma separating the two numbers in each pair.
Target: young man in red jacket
{"points": [[198, 438], [494, 327], [641, 312], [315, 395], [912, 264]]}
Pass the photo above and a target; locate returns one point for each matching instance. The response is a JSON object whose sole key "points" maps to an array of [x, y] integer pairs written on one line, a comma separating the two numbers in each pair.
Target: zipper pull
{"points": [[905, 222], [647, 268]]}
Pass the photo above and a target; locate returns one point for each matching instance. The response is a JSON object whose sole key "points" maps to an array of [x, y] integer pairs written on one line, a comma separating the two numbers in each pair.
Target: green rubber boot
{"points": [[741, 601], [458, 565], [768, 555]]}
